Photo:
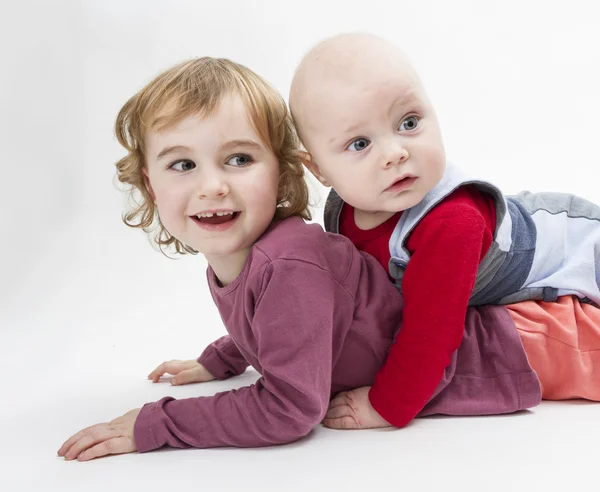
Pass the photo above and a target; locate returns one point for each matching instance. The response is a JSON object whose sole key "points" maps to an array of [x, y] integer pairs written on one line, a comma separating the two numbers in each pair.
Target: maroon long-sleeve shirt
{"points": [[315, 316]]}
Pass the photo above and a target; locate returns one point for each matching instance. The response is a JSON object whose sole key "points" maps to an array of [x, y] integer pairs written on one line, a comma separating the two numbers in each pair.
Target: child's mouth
{"points": [[216, 220]]}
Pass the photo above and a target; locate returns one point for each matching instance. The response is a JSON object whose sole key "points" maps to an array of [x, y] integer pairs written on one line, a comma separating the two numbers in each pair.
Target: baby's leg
{"points": [[562, 342]]}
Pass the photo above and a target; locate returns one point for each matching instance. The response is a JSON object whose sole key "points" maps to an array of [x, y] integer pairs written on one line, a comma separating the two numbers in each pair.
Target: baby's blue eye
{"points": [[409, 123], [358, 144], [184, 165], [239, 160]]}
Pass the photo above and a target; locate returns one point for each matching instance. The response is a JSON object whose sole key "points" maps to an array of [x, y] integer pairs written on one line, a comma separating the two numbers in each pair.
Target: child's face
{"points": [[213, 180], [374, 137]]}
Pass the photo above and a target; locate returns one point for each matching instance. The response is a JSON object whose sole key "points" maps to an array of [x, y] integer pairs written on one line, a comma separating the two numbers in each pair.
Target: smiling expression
{"points": [[213, 181]]}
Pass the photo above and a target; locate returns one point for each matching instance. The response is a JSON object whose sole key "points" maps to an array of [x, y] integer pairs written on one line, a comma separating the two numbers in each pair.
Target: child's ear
{"points": [[148, 185], [313, 167]]}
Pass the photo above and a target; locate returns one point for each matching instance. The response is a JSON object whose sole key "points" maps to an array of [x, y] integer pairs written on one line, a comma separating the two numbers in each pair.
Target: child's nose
{"points": [[212, 185]]}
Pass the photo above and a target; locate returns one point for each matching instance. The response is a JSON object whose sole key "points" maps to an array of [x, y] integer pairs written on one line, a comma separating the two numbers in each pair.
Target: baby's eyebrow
{"points": [[409, 98], [348, 131]]}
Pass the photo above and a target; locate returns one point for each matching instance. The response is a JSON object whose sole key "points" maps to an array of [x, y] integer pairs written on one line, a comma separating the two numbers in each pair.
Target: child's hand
{"points": [[115, 437], [184, 372], [353, 410]]}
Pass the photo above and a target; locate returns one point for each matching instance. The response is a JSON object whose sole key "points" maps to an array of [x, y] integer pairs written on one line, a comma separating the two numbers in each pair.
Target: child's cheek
{"points": [[171, 205]]}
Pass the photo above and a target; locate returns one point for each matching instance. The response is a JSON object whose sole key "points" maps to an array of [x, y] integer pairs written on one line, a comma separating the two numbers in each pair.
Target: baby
{"points": [[371, 133]]}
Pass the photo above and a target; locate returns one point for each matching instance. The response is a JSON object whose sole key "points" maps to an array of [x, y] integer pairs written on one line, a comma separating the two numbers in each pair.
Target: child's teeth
{"points": [[210, 214]]}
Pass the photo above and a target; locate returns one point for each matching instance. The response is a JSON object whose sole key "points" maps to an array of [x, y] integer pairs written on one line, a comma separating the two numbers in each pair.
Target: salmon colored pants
{"points": [[562, 342]]}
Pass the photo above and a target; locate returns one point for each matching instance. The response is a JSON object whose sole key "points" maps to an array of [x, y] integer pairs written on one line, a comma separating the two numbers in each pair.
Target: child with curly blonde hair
{"points": [[214, 162]]}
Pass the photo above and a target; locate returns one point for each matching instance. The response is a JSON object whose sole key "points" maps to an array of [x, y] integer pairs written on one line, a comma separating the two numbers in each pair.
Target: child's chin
{"points": [[218, 252]]}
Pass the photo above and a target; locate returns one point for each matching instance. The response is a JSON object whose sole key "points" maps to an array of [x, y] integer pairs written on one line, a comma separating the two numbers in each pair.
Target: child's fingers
{"points": [[90, 438], [158, 372], [171, 367], [168, 367], [187, 376], [117, 445], [73, 439]]}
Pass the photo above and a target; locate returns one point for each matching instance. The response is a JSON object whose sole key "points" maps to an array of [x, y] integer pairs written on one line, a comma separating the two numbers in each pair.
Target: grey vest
{"points": [[545, 244]]}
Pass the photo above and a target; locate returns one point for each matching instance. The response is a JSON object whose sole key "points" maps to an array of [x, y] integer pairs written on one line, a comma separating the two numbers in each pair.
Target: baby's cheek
{"points": [[437, 162]]}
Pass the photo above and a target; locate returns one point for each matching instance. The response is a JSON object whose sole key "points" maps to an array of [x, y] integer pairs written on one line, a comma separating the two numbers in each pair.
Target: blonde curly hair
{"points": [[196, 87]]}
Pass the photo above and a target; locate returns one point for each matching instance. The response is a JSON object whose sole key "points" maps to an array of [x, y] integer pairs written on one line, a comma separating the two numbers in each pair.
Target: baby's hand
{"points": [[115, 437], [184, 372], [353, 410]]}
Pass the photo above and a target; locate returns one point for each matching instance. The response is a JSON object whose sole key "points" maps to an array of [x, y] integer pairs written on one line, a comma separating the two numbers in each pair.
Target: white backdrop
{"points": [[88, 308]]}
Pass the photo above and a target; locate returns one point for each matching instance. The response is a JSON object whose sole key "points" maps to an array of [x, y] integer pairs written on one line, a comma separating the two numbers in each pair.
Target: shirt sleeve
{"points": [[223, 359], [293, 324], [447, 247]]}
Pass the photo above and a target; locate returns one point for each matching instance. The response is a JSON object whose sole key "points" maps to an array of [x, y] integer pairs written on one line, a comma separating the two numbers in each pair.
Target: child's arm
{"points": [[293, 325], [446, 248]]}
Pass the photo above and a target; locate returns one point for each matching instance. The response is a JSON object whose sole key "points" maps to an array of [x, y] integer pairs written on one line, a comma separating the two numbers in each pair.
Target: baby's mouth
{"points": [[402, 183]]}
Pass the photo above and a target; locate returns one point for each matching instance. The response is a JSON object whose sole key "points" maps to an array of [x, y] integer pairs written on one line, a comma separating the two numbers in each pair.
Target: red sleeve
{"points": [[446, 249]]}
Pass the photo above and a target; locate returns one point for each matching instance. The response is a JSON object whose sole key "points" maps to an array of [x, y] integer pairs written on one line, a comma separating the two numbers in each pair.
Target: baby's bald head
{"points": [[363, 116], [355, 59]]}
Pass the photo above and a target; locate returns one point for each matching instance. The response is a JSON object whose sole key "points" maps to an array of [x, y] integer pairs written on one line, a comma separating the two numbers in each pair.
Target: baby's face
{"points": [[375, 138]]}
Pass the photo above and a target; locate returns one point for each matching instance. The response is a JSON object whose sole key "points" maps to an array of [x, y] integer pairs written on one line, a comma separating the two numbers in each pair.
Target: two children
{"points": [[213, 153]]}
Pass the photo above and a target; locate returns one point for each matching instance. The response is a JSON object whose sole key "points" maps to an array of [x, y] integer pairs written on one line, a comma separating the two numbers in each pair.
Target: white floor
{"points": [[103, 312]]}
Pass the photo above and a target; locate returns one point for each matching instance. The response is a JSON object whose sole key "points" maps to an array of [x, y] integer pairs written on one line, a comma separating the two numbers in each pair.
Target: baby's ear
{"points": [[313, 167], [148, 185]]}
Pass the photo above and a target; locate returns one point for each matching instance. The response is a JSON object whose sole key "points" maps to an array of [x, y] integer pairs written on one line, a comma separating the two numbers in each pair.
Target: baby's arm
{"points": [[293, 323], [447, 247]]}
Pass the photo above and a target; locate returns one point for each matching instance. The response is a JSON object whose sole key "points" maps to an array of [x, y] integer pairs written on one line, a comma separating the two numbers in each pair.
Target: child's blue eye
{"points": [[358, 144], [409, 123], [239, 160], [184, 165]]}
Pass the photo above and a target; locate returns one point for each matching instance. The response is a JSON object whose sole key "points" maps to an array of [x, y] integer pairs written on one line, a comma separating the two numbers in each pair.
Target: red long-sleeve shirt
{"points": [[446, 248]]}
